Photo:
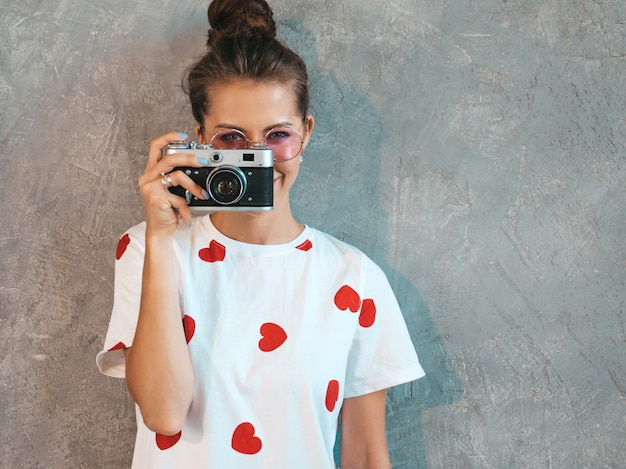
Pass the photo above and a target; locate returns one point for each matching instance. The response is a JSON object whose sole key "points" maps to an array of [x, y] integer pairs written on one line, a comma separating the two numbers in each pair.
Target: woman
{"points": [[245, 336]]}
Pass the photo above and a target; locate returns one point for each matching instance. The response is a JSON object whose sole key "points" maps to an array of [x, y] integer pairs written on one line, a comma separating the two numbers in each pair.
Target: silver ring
{"points": [[166, 181]]}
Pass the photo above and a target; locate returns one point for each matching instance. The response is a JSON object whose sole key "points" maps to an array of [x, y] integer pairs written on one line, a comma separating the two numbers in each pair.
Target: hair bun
{"points": [[230, 18]]}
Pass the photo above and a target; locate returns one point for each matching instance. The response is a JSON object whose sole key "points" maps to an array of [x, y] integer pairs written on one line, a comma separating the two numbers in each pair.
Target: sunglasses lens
{"points": [[284, 142], [229, 140]]}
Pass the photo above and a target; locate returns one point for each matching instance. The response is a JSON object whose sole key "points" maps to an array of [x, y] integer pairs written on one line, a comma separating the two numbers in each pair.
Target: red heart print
{"points": [[347, 298], [189, 325], [216, 252], [273, 336], [122, 244], [367, 316], [118, 346], [244, 441], [307, 245], [332, 394], [167, 441]]}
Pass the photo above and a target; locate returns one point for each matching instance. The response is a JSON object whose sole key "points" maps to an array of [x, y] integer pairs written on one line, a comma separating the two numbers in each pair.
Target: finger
{"points": [[158, 144], [179, 178], [174, 160], [168, 163], [180, 205]]}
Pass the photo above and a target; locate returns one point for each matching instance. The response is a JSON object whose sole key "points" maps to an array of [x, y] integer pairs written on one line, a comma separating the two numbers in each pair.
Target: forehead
{"points": [[251, 104]]}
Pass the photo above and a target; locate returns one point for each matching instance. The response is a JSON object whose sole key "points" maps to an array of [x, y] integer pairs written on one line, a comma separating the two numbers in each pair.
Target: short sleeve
{"points": [[382, 353], [129, 258]]}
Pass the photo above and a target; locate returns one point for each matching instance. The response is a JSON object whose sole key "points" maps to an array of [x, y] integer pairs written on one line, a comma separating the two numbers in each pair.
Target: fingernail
{"points": [[181, 134], [205, 194], [190, 222], [202, 161]]}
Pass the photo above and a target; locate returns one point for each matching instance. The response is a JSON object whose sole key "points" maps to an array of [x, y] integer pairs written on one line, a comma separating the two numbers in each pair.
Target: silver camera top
{"points": [[257, 155]]}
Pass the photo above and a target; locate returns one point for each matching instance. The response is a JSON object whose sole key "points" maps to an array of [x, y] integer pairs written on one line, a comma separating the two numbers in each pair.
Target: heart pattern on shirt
{"points": [[272, 337], [216, 252], [306, 246], [332, 394], [122, 244], [368, 313], [167, 441], [189, 325], [347, 298], [244, 440], [118, 346]]}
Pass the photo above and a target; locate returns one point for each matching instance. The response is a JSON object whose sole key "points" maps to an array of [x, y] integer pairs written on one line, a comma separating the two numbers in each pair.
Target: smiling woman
{"points": [[245, 336]]}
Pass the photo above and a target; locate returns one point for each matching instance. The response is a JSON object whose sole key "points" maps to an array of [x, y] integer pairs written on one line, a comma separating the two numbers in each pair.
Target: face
{"points": [[254, 108]]}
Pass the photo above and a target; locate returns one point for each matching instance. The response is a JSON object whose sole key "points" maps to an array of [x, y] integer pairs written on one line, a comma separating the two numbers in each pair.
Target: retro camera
{"points": [[234, 179]]}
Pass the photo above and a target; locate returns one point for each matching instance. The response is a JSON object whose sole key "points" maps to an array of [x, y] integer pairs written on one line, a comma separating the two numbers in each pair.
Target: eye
{"points": [[279, 135], [229, 139]]}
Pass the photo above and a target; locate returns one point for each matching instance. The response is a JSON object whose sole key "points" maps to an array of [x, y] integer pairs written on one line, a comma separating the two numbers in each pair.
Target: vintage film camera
{"points": [[234, 179]]}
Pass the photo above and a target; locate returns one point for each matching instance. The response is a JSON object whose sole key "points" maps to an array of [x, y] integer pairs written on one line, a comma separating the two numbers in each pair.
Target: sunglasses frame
{"points": [[251, 143]]}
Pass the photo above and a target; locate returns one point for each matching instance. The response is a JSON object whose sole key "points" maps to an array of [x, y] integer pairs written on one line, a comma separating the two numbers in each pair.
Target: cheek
{"points": [[294, 167], [288, 169]]}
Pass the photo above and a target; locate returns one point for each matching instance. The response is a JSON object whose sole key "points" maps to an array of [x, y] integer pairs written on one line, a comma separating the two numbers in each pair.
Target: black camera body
{"points": [[234, 179]]}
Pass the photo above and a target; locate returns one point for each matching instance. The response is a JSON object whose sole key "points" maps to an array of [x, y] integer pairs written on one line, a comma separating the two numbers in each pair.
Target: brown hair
{"points": [[242, 44]]}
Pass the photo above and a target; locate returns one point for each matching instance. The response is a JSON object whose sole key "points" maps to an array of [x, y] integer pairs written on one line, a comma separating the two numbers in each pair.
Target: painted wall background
{"points": [[475, 149]]}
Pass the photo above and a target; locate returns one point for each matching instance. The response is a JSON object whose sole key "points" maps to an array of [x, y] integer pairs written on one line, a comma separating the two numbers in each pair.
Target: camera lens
{"points": [[226, 185]]}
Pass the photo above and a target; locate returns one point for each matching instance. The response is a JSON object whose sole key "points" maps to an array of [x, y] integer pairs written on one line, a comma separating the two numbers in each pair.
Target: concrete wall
{"points": [[475, 149]]}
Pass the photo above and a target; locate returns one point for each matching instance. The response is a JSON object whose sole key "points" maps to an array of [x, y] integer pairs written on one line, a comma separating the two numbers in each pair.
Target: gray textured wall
{"points": [[475, 149]]}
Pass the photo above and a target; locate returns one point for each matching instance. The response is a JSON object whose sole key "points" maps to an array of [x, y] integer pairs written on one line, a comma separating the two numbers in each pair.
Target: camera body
{"points": [[234, 179]]}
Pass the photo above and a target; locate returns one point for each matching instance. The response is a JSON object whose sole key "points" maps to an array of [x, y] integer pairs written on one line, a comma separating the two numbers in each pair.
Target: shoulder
{"points": [[334, 247], [328, 243]]}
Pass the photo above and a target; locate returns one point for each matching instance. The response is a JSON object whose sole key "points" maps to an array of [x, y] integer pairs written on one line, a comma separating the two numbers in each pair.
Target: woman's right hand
{"points": [[159, 375], [162, 208]]}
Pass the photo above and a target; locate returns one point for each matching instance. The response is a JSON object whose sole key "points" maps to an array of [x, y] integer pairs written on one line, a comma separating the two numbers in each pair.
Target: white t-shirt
{"points": [[278, 336]]}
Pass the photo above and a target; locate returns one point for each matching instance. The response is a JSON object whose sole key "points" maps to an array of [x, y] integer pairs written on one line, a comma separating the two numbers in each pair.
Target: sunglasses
{"points": [[284, 141]]}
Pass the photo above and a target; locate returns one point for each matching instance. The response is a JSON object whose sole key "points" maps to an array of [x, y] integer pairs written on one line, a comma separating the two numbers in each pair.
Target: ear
{"points": [[199, 135], [309, 123]]}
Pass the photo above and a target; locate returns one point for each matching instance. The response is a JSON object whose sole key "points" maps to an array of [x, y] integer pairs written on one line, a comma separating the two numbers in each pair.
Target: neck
{"points": [[262, 227]]}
